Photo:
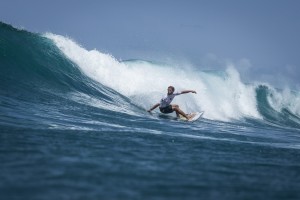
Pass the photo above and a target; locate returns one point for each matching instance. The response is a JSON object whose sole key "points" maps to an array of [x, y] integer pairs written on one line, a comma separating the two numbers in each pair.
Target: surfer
{"points": [[165, 105]]}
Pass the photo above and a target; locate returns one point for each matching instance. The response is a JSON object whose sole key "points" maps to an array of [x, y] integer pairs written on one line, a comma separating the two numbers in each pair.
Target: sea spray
{"points": [[222, 97]]}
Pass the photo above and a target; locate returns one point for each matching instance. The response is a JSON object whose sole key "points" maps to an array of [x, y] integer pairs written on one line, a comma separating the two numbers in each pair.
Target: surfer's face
{"points": [[170, 90]]}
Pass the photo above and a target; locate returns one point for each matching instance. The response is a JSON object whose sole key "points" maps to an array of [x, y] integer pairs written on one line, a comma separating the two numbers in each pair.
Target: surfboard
{"points": [[195, 116]]}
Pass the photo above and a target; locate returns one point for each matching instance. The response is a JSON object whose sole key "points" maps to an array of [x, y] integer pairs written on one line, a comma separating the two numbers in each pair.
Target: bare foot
{"points": [[190, 116]]}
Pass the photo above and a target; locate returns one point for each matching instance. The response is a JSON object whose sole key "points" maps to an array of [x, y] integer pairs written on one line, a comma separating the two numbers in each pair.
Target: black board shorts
{"points": [[167, 109]]}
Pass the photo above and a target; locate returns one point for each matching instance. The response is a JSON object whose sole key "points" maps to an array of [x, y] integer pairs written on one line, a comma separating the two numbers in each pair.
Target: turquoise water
{"points": [[74, 126]]}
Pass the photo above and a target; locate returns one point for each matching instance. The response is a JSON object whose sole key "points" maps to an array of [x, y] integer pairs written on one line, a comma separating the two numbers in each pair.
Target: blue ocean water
{"points": [[74, 125]]}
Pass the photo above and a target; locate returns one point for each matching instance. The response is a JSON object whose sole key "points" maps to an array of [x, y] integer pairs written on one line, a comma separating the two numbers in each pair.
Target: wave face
{"points": [[74, 122], [40, 86]]}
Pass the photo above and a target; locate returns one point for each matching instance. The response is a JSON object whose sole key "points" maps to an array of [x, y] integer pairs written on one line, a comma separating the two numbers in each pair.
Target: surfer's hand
{"points": [[149, 111], [194, 92]]}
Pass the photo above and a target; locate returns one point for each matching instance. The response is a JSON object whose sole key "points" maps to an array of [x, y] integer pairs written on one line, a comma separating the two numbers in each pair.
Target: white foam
{"points": [[221, 97], [285, 99]]}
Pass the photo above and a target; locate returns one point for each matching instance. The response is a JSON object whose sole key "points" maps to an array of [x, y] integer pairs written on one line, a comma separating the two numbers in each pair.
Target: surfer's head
{"points": [[171, 89]]}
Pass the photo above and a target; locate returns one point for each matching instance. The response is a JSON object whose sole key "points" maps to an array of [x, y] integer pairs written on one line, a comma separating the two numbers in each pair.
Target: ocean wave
{"points": [[50, 69]]}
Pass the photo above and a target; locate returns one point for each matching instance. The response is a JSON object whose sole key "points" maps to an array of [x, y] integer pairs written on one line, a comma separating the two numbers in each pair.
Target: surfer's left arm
{"points": [[188, 91], [155, 106]]}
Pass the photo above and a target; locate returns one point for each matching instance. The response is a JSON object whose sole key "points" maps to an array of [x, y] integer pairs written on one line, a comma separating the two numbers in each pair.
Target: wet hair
{"points": [[173, 89]]}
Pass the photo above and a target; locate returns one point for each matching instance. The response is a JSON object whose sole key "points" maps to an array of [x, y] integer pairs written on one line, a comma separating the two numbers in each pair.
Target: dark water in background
{"points": [[67, 133]]}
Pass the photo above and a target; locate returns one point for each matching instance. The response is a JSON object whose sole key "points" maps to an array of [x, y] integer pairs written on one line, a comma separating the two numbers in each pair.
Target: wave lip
{"points": [[279, 107]]}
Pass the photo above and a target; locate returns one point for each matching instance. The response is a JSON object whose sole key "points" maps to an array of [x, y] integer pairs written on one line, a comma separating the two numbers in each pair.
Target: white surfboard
{"points": [[195, 116]]}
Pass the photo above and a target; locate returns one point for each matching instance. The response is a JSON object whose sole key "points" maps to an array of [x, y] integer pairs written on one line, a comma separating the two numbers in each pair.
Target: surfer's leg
{"points": [[178, 111], [177, 107]]}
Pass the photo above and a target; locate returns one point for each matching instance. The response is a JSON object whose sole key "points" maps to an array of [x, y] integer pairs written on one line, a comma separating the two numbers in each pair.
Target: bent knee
{"points": [[176, 108]]}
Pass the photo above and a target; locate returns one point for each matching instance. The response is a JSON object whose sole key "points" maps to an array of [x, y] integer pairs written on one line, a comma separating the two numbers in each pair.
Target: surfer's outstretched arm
{"points": [[188, 91], [155, 106]]}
